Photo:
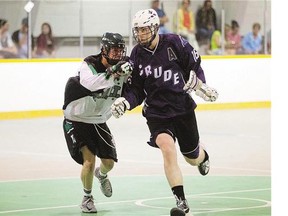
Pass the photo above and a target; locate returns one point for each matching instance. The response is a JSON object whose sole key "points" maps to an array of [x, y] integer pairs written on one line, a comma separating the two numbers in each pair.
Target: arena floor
{"points": [[38, 177]]}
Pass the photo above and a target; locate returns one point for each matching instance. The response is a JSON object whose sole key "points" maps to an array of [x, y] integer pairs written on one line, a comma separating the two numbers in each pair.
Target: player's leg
{"points": [[202, 161], [87, 168], [101, 173], [106, 151], [173, 173], [106, 165], [162, 136], [75, 135], [87, 179], [188, 139]]}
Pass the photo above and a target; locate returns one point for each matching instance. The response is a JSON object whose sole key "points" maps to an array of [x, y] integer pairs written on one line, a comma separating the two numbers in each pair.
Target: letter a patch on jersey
{"points": [[171, 54]]}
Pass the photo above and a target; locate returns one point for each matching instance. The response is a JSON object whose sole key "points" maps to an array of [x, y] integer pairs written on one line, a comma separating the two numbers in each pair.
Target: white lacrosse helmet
{"points": [[145, 18]]}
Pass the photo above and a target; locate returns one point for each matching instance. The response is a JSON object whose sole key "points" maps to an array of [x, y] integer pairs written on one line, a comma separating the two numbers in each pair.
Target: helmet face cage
{"points": [[113, 47], [152, 32], [145, 18]]}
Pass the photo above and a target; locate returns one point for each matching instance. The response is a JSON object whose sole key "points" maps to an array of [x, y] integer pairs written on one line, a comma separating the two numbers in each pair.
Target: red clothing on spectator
{"points": [[44, 43]]}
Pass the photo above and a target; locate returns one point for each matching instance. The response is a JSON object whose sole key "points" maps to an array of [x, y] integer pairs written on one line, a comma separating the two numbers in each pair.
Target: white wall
{"points": [[34, 86], [239, 80], [40, 85]]}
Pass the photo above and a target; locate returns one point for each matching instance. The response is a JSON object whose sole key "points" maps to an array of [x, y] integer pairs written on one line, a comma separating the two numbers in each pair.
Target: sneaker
{"points": [[183, 205], [176, 212], [182, 208], [105, 184], [204, 166], [87, 205]]}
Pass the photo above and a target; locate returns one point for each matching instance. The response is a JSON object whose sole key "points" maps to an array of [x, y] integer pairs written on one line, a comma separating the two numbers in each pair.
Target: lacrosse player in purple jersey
{"points": [[166, 70], [88, 98]]}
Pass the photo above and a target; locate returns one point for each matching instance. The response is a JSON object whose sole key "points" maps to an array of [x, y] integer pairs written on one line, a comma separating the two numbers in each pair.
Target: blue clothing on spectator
{"points": [[162, 28], [251, 44], [160, 13]]}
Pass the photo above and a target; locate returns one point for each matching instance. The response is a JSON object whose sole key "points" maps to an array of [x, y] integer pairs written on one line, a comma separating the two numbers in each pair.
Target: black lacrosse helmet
{"points": [[109, 41]]}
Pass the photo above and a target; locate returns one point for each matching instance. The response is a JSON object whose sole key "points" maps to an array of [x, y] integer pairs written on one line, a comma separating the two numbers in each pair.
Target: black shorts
{"points": [[97, 137], [182, 128]]}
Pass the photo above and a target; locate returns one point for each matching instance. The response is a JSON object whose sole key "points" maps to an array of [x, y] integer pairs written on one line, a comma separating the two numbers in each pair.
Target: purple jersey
{"points": [[159, 76]]}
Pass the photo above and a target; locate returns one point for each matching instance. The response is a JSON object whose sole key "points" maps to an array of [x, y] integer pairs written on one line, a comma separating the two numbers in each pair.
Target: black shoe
{"points": [[204, 166], [176, 212], [181, 209], [183, 205]]}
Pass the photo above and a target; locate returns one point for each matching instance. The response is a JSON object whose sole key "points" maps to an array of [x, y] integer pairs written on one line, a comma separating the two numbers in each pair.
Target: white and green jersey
{"points": [[89, 96]]}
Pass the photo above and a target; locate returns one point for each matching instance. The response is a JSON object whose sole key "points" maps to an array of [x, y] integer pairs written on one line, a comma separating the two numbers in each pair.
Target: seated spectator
{"points": [[7, 47], [162, 16], [233, 39], [252, 42], [184, 24], [20, 39], [45, 44], [216, 43], [205, 21], [269, 42]]}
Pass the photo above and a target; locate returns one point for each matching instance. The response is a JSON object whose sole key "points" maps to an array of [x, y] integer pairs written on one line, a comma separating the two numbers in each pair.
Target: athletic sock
{"points": [[102, 174], [206, 156], [178, 192], [87, 193]]}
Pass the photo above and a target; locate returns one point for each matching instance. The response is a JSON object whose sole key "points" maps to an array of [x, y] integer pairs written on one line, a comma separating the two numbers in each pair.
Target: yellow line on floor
{"points": [[240, 105]]}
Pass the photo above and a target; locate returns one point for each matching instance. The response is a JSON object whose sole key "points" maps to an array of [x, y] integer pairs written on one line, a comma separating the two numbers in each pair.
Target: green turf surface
{"points": [[139, 196]]}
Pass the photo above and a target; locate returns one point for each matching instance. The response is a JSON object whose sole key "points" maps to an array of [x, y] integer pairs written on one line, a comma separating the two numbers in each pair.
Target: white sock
{"points": [[102, 174], [87, 193]]}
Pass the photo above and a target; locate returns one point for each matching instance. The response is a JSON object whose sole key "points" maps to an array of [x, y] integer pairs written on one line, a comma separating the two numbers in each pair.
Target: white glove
{"points": [[126, 69], [122, 68], [119, 107], [194, 83], [207, 93]]}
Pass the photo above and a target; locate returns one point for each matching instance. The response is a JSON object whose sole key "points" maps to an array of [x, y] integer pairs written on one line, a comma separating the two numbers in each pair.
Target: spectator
{"points": [[162, 16], [20, 39], [252, 42], [45, 44], [216, 43], [7, 47], [269, 42], [185, 25], [233, 39], [206, 21]]}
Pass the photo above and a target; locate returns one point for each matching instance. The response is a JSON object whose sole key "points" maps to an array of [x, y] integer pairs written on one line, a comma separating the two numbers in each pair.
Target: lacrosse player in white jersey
{"points": [[88, 98]]}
